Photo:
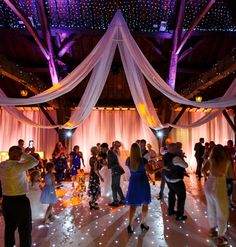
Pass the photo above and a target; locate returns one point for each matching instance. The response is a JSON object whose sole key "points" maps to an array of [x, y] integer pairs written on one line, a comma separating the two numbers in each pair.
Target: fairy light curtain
{"points": [[135, 65]]}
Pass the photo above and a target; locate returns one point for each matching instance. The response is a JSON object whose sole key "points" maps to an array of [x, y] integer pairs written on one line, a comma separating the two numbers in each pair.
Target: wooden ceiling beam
{"points": [[68, 43], [193, 25], [176, 37], [28, 80], [28, 25], [185, 53], [158, 50], [219, 71], [46, 30]]}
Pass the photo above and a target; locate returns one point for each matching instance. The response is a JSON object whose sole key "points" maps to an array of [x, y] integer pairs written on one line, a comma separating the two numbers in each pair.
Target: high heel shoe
{"points": [[90, 205], [93, 206], [129, 229], [144, 227]]}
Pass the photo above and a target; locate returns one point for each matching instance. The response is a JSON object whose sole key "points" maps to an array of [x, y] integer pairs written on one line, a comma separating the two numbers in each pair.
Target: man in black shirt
{"points": [[174, 173], [199, 151]]}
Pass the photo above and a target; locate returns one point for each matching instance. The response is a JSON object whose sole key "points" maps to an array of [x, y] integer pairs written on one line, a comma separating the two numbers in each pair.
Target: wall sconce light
{"points": [[24, 92], [198, 99]]}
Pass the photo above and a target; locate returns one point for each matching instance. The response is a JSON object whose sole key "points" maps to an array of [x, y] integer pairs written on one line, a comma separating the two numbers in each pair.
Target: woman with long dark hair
{"points": [[139, 193], [59, 157], [217, 168]]}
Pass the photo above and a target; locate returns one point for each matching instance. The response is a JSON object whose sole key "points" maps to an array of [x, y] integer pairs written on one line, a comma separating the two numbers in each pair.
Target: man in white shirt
{"points": [[174, 173], [15, 205]]}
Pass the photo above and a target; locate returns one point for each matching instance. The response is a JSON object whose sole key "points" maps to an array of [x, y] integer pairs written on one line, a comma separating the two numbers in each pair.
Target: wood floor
{"points": [[76, 225]]}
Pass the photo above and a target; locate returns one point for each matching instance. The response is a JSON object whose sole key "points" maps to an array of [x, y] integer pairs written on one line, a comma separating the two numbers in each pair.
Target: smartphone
{"points": [[31, 144]]}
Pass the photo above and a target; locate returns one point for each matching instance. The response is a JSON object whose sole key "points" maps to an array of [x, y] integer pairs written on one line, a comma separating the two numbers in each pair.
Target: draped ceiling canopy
{"points": [[136, 67]]}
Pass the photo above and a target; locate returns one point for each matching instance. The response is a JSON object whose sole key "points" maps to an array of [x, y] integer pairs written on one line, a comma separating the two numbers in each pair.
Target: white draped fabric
{"points": [[94, 88], [74, 78], [135, 65], [217, 130], [19, 115], [138, 89]]}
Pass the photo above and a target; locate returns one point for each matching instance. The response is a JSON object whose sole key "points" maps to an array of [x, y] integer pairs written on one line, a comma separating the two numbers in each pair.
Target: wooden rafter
{"points": [[230, 122], [185, 53], [180, 114], [157, 49], [176, 37], [29, 26], [194, 24], [225, 67], [67, 43], [51, 121], [28, 80], [46, 30]]}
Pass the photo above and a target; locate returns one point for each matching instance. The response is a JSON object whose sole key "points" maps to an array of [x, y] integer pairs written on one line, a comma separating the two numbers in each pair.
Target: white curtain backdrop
{"points": [[217, 130], [107, 126], [12, 130]]}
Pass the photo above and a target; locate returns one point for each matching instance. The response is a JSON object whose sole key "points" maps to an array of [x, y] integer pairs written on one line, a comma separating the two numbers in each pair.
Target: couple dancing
{"points": [[112, 163], [105, 164]]}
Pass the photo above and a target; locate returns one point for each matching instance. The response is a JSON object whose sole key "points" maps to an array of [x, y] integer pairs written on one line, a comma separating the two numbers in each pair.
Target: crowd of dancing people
{"points": [[33, 183]]}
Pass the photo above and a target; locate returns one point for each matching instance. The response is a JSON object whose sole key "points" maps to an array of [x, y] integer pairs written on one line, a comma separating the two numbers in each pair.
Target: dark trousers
{"points": [[199, 166], [116, 189], [17, 214], [162, 185], [176, 189], [229, 183], [59, 175]]}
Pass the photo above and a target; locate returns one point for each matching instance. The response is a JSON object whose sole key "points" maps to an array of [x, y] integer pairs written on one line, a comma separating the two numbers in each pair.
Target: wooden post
{"points": [[194, 24], [176, 37], [29, 26], [230, 122], [178, 117], [46, 29], [51, 121]]}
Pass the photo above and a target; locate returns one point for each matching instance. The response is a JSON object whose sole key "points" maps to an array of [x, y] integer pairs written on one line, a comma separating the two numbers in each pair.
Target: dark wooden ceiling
{"points": [[86, 21]]}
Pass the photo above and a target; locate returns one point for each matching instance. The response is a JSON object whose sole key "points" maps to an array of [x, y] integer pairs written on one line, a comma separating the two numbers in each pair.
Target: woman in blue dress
{"points": [[139, 193], [75, 162]]}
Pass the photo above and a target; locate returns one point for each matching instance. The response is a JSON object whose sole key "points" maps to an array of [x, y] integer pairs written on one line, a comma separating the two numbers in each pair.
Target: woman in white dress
{"points": [[106, 186]]}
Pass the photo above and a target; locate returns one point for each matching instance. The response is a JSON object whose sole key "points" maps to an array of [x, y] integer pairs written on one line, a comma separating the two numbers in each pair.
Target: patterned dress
{"points": [[94, 189]]}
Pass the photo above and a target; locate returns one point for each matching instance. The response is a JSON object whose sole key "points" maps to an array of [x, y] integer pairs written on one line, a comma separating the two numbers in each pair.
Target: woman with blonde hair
{"points": [[139, 193], [217, 168]]}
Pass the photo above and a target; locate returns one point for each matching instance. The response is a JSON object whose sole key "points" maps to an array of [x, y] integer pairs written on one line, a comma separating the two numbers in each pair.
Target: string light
{"points": [[144, 16]]}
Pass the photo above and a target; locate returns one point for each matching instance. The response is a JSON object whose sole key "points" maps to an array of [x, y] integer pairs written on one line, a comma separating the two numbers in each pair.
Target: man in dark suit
{"points": [[199, 151], [116, 171]]}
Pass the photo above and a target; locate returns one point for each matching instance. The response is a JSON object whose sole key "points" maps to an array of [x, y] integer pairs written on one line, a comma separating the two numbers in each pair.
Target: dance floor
{"points": [[76, 225]]}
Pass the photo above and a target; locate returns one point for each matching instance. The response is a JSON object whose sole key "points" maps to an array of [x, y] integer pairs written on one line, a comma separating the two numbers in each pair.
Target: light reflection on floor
{"points": [[75, 225]]}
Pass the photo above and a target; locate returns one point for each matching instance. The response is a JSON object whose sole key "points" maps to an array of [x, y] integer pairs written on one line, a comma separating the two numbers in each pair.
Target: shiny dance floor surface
{"points": [[76, 225]]}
